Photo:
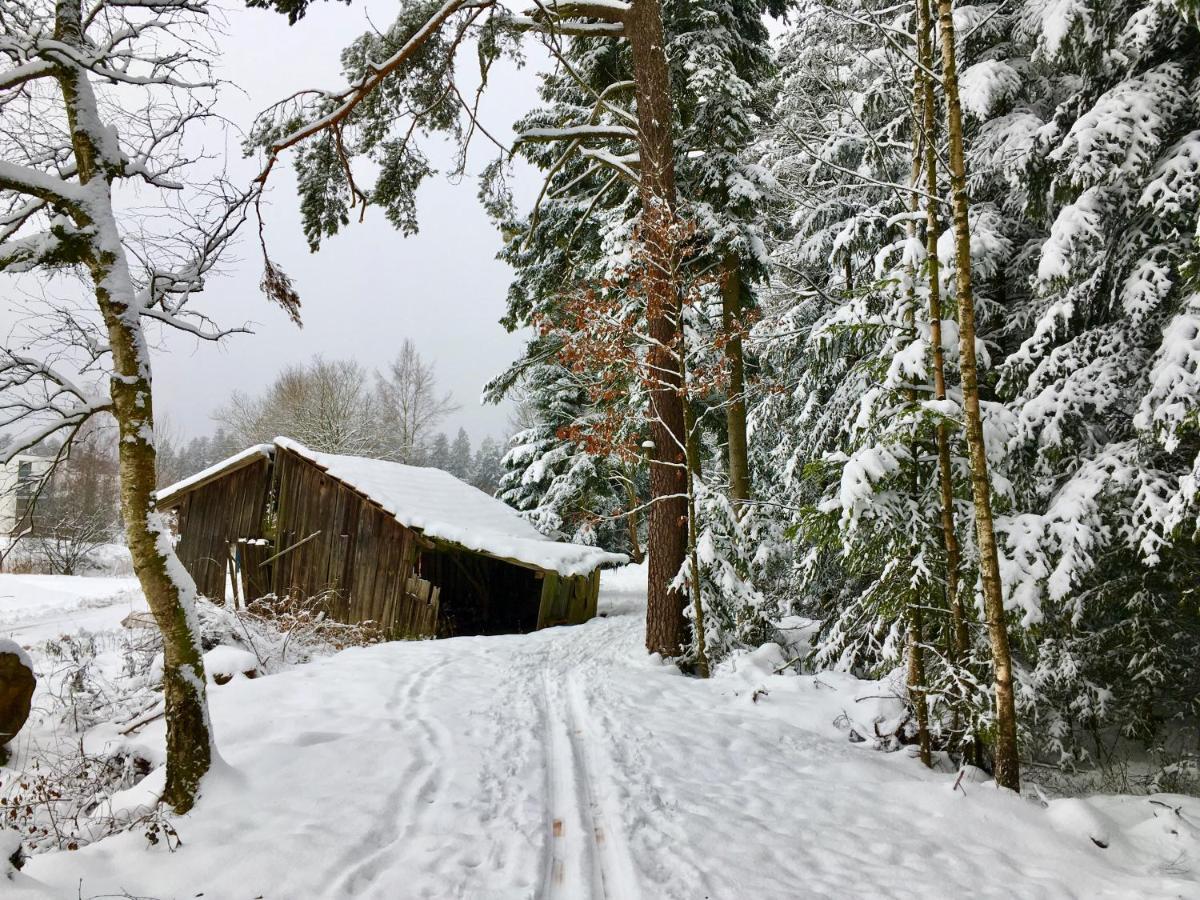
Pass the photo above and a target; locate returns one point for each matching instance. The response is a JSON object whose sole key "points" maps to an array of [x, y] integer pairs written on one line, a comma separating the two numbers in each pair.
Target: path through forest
{"points": [[566, 764]]}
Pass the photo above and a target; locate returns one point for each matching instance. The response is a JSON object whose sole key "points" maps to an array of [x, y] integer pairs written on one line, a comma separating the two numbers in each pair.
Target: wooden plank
{"points": [[549, 593]]}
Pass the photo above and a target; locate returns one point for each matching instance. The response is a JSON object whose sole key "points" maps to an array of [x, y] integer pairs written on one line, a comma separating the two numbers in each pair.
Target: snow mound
{"points": [[223, 662]]}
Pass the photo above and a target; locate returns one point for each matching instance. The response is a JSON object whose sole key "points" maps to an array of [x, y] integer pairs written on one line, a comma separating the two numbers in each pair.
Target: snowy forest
{"points": [[937, 350], [867, 331]]}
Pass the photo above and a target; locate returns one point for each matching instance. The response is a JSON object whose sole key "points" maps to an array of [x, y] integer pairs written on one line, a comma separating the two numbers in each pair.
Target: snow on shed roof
{"points": [[165, 496], [444, 507]]}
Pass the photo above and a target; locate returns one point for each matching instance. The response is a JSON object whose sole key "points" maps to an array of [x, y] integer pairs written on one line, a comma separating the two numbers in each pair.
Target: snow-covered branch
{"points": [[567, 27], [579, 132], [33, 183]]}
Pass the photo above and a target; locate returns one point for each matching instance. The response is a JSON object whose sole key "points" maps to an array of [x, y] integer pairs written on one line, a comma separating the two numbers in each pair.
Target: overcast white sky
{"points": [[370, 287]]}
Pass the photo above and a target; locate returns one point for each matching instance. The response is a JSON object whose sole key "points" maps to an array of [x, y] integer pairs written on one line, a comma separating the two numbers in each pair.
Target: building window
{"points": [[25, 480]]}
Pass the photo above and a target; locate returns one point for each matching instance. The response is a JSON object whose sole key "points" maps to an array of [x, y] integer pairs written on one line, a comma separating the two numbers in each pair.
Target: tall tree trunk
{"points": [[958, 637], [933, 229], [666, 626], [735, 409], [168, 588], [693, 472], [918, 691], [1007, 769]]}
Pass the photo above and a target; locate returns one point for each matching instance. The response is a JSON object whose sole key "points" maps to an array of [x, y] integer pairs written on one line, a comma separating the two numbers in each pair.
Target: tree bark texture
{"points": [[666, 626], [735, 408], [168, 588], [1007, 766]]}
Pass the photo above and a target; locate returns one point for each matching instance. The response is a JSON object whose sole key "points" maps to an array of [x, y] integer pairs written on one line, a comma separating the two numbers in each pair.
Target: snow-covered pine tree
{"points": [[1081, 157], [564, 490], [487, 467], [400, 83], [1090, 110], [721, 60], [840, 333], [459, 464], [580, 228]]}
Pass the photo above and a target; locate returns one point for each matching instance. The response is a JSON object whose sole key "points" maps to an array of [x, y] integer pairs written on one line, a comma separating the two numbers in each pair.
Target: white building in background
{"points": [[19, 480]]}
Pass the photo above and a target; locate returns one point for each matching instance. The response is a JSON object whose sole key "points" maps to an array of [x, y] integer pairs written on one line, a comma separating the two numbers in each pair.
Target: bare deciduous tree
{"points": [[77, 511], [411, 405], [326, 404], [92, 98]]}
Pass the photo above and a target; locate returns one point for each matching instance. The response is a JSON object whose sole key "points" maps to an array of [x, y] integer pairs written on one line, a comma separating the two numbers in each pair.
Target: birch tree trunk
{"points": [[958, 637], [933, 228], [1007, 766], [666, 545], [168, 588], [917, 689], [735, 409]]}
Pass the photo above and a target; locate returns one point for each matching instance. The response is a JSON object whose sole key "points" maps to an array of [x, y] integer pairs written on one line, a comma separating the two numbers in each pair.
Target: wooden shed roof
{"points": [[172, 495], [428, 500]]}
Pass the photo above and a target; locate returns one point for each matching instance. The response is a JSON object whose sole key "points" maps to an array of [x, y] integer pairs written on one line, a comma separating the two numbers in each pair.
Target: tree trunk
{"points": [[666, 626], [1007, 769], [631, 521], [916, 682], [168, 588], [693, 472], [933, 228], [917, 689], [735, 408], [958, 638]]}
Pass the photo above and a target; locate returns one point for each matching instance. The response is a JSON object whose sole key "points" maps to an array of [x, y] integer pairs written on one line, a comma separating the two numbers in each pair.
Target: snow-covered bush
{"points": [[85, 755], [281, 632]]}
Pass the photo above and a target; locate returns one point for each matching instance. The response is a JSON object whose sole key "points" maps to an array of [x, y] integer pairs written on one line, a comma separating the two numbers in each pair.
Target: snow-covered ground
{"points": [[568, 764], [36, 607]]}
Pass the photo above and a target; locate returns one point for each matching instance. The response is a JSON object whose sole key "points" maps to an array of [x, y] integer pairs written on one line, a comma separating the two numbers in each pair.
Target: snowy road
{"points": [[34, 607], [565, 764]]}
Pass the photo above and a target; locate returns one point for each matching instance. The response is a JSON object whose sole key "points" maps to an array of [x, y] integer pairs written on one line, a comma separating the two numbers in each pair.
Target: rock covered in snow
{"points": [[17, 682], [224, 663]]}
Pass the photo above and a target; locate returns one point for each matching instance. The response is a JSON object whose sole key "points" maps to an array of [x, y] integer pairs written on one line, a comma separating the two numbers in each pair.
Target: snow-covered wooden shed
{"points": [[412, 548]]}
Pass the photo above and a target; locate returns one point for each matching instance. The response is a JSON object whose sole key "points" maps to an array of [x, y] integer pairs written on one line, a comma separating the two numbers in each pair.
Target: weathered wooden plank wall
{"points": [[360, 562], [568, 600], [216, 514]]}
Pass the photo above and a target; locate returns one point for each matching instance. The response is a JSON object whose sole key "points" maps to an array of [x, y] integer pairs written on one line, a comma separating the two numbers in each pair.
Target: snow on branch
{"points": [[622, 165], [608, 10], [42, 398], [32, 183], [572, 132], [25, 73], [567, 27]]}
